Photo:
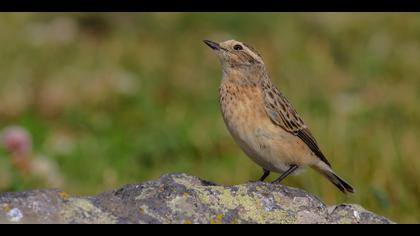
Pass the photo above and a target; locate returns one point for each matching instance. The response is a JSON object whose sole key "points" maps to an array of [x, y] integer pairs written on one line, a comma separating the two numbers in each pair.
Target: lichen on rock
{"points": [[181, 199]]}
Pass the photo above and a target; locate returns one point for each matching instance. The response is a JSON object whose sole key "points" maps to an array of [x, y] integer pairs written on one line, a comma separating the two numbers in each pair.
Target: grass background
{"points": [[118, 98]]}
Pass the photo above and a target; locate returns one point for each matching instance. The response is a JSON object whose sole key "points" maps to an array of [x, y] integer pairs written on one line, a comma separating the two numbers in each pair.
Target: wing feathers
{"points": [[284, 115]]}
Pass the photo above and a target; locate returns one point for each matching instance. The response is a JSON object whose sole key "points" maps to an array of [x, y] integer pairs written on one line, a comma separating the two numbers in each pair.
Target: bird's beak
{"points": [[212, 45]]}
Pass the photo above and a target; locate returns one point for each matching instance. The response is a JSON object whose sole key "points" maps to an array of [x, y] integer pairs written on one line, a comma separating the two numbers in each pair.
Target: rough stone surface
{"points": [[180, 198]]}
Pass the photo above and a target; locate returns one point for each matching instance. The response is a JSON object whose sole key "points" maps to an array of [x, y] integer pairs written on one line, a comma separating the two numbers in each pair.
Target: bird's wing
{"points": [[284, 115]]}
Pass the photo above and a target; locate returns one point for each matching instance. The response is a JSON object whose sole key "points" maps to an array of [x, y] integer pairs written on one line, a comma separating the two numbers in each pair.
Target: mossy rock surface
{"points": [[180, 198]]}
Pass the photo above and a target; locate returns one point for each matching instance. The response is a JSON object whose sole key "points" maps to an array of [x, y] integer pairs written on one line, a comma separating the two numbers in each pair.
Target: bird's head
{"points": [[235, 54]]}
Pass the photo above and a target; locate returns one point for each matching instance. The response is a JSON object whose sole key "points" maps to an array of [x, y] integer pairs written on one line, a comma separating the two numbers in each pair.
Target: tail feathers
{"points": [[340, 183], [337, 181]]}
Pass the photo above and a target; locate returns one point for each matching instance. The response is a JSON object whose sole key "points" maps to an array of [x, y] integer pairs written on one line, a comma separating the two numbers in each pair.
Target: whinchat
{"points": [[262, 121]]}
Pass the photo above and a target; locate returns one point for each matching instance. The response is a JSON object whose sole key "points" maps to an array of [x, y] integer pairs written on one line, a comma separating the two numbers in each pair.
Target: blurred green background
{"points": [[118, 98]]}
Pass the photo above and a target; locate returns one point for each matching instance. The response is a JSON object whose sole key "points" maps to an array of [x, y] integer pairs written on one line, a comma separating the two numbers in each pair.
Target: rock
{"points": [[180, 198]]}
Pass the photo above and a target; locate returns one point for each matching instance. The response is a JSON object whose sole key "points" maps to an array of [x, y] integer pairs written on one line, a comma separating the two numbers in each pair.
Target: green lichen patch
{"points": [[249, 206], [83, 211]]}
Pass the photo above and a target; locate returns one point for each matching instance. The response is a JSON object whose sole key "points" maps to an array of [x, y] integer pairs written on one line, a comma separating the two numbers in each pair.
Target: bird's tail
{"points": [[335, 179]]}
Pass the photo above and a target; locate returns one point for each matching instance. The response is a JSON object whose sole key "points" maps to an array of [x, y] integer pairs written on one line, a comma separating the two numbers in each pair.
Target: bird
{"points": [[261, 119]]}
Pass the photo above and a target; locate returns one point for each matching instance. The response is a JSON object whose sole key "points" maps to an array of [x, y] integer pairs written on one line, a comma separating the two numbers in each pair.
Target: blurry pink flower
{"points": [[16, 140]]}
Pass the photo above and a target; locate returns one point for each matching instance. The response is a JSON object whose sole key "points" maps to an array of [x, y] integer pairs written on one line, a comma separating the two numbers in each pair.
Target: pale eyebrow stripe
{"points": [[252, 49]]}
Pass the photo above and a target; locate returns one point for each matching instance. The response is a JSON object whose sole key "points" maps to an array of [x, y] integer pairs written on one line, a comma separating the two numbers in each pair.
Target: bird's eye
{"points": [[237, 47]]}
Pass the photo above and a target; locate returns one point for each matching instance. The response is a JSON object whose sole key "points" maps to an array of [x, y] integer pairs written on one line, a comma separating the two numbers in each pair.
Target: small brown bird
{"points": [[262, 121]]}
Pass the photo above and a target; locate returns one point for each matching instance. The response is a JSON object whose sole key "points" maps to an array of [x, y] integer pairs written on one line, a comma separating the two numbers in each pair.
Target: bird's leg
{"points": [[265, 175], [285, 174]]}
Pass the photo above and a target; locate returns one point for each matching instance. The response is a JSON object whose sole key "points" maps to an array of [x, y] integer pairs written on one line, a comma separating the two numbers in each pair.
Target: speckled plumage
{"points": [[261, 119]]}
